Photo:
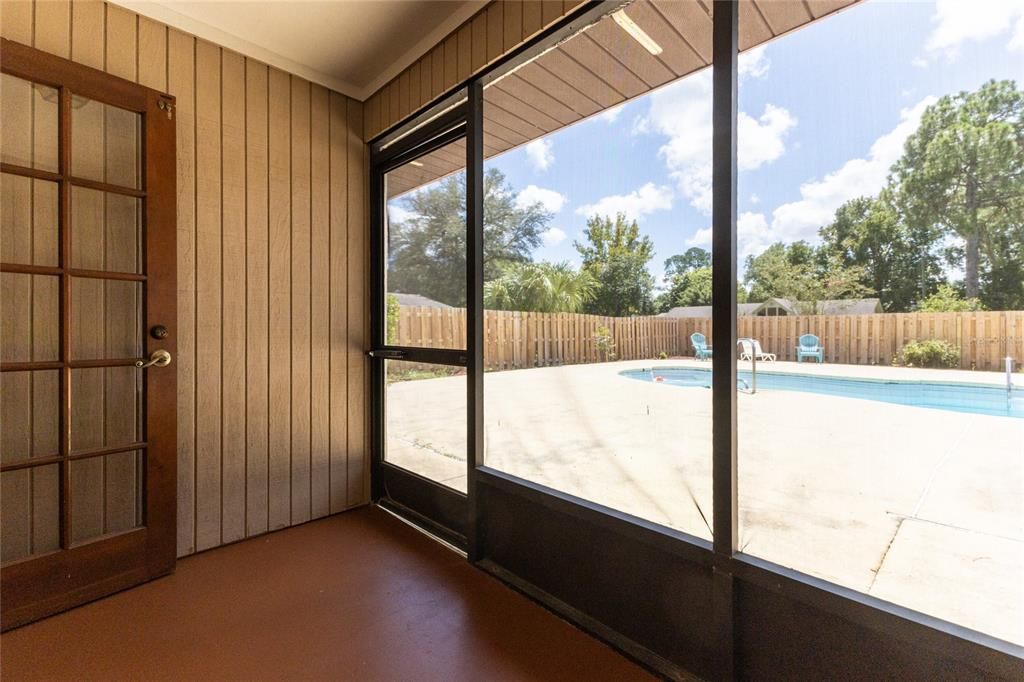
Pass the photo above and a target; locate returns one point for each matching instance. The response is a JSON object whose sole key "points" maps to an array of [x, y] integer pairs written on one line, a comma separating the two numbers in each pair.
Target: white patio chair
{"points": [[746, 349], [761, 355]]}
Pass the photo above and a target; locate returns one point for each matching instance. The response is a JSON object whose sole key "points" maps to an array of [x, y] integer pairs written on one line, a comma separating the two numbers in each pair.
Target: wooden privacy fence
{"points": [[514, 340]]}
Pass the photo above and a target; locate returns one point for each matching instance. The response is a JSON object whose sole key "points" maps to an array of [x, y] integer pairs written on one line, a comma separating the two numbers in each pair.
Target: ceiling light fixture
{"points": [[630, 27], [416, 163]]}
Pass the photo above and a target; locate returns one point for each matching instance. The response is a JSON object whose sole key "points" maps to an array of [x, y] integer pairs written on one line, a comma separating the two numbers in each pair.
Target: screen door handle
{"points": [[159, 358], [387, 354]]}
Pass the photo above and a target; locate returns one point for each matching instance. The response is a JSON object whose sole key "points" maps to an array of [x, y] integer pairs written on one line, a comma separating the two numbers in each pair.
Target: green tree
{"points": [[900, 263], [773, 273], [689, 288], [947, 299], [797, 272], [616, 256], [427, 250], [962, 170], [540, 287], [1002, 279], [694, 258], [692, 288]]}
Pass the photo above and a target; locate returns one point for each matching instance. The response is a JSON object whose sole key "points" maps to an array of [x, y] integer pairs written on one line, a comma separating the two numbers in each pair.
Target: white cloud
{"points": [[548, 198], [753, 63], [701, 238], [857, 177], [553, 236], [753, 235], [760, 140], [820, 198], [540, 154], [397, 214], [682, 112], [636, 204], [610, 115], [958, 21], [754, 199]]}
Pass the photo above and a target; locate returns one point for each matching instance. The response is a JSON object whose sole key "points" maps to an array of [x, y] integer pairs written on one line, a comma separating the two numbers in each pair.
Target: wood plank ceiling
{"points": [[603, 67]]}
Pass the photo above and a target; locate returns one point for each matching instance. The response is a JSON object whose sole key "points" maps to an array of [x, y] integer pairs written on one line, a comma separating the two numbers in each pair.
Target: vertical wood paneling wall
{"points": [[272, 258], [493, 32]]}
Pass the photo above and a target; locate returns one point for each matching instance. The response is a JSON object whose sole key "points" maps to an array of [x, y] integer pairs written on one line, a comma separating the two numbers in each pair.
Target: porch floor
{"points": [[359, 596]]}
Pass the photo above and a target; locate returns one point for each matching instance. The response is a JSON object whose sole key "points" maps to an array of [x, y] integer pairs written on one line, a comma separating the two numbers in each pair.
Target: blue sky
{"points": [[824, 113]]}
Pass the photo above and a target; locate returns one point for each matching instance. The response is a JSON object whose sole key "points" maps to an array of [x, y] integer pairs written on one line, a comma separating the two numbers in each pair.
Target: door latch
{"points": [[387, 354]]}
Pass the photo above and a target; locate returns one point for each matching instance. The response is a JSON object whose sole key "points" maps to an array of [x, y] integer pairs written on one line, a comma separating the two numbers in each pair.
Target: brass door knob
{"points": [[159, 358]]}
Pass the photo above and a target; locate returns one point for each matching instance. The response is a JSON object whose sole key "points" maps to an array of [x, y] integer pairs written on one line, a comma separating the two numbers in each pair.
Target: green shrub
{"points": [[947, 299], [605, 343], [663, 355], [393, 310], [931, 353]]}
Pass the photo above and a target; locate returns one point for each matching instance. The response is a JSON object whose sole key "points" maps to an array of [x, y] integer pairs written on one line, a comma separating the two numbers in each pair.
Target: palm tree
{"points": [[540, 287]]}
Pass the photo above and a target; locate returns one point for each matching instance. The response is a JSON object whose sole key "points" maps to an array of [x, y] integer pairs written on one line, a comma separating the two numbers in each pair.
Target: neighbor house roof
{"points": [[417, 301], [851, 306]]}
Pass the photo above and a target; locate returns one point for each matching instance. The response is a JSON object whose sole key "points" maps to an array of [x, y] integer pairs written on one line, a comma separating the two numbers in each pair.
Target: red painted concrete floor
{"points": [[357, 596]]}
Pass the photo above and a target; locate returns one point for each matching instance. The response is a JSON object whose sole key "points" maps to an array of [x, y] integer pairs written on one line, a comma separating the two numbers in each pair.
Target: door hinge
{"points": [[168, 106]]}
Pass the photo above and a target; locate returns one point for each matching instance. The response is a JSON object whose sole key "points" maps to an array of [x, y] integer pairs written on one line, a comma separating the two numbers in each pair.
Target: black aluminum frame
{"points": [[736, 580], [440, 509]]}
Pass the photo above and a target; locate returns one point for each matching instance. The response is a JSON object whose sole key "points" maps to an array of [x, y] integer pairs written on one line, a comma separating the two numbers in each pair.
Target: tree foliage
{"points": [[690, 288], [900, 263], [799, 273], [694, 258], [540, 287], [427, 250], [947, 299], [616, 256], [962, 171]]}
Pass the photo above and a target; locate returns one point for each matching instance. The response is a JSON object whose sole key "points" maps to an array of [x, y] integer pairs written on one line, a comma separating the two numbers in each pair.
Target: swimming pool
{"points": [[972, 398]]}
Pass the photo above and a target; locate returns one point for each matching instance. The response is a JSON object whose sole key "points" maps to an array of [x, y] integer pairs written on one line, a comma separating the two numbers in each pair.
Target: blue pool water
{"points": [[973, 398]]}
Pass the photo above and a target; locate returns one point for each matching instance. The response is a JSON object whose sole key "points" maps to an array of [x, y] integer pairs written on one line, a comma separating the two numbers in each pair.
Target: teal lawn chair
{"points": [[810, 347], [700, 346]]}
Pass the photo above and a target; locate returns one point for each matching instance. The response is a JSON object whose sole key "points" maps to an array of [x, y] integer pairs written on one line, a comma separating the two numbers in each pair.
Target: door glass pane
{"points": [[105, 231], [106, 407], [425, 234], [106, 494], [28, 221], [106, 319], [426, 420], [29, 308], [30, 508], [29, 414], [28, 136], [105, 144]]}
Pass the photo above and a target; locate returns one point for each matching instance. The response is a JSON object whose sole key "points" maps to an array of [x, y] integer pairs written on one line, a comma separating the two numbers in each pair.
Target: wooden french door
{"points": [[87, 334]]}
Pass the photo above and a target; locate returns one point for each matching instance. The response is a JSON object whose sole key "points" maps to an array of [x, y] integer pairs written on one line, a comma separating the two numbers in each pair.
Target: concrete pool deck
{"points": [[921, 507]]}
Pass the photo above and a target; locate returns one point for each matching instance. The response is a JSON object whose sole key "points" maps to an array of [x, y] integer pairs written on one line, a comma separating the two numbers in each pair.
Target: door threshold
{"points": [[424, 526]]}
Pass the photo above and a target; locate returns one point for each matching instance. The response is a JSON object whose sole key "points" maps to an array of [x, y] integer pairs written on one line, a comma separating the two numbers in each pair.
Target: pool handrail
{"points": [[744, 344]]}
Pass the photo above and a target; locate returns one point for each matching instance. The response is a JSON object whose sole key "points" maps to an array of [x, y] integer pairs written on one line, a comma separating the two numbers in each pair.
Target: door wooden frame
{"points": [[41, 585]]}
